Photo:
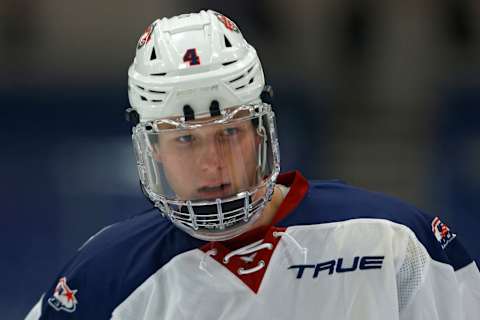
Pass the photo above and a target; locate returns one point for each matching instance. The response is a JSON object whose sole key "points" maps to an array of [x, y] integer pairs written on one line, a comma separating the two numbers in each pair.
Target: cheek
{"points": [[178, 171], [177, 165], [243, 157], [250, 148]]}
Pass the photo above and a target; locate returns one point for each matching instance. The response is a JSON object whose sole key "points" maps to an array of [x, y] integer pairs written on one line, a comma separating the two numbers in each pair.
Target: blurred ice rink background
{"points": [[382, 94]]}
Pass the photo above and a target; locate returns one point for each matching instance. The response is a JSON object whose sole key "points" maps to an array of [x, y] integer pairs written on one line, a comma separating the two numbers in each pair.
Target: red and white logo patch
{"points": [[146, 36], [442, 232], [63, 297], [229, 24]]}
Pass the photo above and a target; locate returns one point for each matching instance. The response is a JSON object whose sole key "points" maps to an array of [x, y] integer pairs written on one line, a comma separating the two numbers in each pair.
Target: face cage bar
{"points": [[206, 219], [220, 220], [237, 217]]}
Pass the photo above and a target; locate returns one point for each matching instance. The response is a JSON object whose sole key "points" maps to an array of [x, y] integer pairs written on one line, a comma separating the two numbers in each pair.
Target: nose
{"points": [[210, 158]]}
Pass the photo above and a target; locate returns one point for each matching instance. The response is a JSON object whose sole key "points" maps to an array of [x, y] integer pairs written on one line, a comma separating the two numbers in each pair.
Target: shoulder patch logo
{"points": [[63, 297], [442, 232]]}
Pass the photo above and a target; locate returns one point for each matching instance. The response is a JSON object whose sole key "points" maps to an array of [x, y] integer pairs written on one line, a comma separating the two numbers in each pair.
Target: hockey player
{"points": [[235, 239]]}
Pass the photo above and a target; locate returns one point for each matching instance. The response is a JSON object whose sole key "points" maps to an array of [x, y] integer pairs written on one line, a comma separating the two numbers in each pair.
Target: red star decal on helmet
{"points": [[229, 24], [146, 36]]}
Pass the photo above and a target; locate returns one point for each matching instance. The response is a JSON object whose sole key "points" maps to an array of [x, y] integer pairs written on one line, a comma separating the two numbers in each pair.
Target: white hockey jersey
{"points": [[332, 252]]}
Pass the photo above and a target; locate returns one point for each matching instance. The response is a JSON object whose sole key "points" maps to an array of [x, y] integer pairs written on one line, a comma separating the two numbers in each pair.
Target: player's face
{"points": [[213, 161]]}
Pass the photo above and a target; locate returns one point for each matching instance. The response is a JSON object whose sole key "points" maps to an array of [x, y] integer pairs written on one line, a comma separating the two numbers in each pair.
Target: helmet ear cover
{"points": [[132, 116], [267, 94]]}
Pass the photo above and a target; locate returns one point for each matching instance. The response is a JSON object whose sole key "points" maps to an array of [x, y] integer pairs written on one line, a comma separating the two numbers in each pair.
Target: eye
{"points": [[188, 138], [232, 131]]}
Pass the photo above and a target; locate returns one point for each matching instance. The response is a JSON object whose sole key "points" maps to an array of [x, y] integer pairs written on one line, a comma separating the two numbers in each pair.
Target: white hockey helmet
{"points": [[205, 142]]}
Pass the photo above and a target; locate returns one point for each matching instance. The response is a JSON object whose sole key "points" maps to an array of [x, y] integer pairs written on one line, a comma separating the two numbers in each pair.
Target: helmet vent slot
{"points": [[155, 91], [251, 80], [241, 87], [229, 62], [157, 100], [143, 98], [227, 42], [188, 113], [237, 78], [153, 55], [160, 74], [215, 108]]}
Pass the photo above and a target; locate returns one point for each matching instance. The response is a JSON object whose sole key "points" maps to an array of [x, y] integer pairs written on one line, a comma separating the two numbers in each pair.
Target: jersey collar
{"points": [[298, 189]]}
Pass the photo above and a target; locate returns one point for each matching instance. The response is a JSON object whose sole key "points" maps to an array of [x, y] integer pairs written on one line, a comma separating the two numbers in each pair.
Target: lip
{"points": [[215, 191]]}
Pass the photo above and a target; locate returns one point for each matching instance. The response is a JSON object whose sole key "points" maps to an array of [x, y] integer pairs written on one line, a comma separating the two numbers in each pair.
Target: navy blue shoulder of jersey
{"points": [[334, 201], [116, 261]]}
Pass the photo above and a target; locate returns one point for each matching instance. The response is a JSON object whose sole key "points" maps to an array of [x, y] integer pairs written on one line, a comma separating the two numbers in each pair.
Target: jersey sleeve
{"points": [[110, 266], [438, 289], [36, 311]]}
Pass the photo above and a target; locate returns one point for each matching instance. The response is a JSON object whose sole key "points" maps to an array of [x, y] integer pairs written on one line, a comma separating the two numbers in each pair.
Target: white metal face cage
{"points": [[221, 218]]}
